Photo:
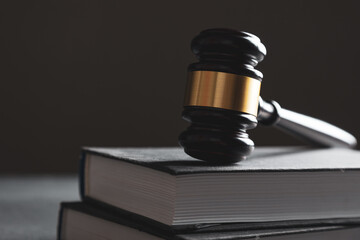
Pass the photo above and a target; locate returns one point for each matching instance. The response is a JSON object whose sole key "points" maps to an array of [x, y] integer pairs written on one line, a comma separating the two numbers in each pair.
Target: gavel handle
{"points": [[304, 127]]}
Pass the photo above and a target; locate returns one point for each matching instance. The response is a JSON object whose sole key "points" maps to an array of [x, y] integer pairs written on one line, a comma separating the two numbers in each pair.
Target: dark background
{"points": [[112, 73]]}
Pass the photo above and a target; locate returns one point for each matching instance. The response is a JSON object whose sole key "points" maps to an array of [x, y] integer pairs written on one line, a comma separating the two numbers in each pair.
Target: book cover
{"points": [[95, 221], [274, 185]]}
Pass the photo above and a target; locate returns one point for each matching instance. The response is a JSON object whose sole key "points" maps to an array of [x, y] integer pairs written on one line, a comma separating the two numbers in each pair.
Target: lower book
{"points": [[78, 220]]}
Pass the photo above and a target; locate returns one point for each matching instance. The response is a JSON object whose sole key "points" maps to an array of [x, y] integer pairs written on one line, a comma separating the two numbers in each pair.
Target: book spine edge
{"points": [[59, 224], [82, 166]]}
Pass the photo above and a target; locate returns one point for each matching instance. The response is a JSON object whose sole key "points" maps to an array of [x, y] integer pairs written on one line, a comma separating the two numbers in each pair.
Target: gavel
{"points": [[222, 101]]}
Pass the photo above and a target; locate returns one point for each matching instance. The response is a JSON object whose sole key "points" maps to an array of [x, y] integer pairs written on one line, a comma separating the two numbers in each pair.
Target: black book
{"points": [[82, 221], [273, 185]]}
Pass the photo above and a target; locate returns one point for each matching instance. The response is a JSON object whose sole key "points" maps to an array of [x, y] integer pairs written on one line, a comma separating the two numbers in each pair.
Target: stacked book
{"points": [[161, 193]]}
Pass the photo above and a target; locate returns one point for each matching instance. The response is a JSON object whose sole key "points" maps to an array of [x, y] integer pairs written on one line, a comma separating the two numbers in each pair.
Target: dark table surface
{"points": [[29, 205]]}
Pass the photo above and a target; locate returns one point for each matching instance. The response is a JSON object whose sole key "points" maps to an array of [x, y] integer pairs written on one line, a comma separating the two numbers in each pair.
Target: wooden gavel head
{"points": [[222, 95]]}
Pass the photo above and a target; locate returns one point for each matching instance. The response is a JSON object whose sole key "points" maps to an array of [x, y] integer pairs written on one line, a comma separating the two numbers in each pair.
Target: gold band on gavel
{"points": [[223, 90]]}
